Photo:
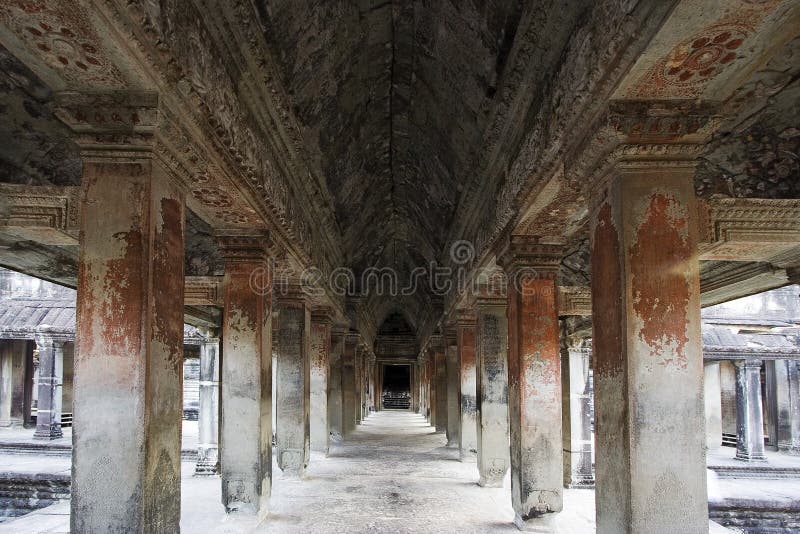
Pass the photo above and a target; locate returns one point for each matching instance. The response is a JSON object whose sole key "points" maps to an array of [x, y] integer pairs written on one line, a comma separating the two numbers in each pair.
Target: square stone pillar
{"points": [[492, 391], [127, 405], [440, 362], [576, 415], [358, 383], [712, 393], [246, 381], [453, 389], [13, 373], [321, 322], [335, 424], [51, 378], [208, 418], [431, 374], [749, 412], [349, 384], [534, 380], [648, 361], [468, 406], [787, 396], [414, 387], [292, 437]]}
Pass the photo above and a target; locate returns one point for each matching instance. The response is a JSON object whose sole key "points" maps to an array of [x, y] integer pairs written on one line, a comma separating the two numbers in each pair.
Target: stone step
{"points": [[756, 516], [22, 493], [760, 471]]}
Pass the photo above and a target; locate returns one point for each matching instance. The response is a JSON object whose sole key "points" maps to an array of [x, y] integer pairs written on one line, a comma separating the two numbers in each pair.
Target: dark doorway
{"points": [[396, 387]]}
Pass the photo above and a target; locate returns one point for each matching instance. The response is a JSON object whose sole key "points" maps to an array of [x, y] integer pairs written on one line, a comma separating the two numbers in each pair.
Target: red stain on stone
{"points": [[168, 279], [658, 278], [606, 295]]}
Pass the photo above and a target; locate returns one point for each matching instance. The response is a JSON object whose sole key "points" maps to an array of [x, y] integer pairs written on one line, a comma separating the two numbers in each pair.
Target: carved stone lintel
{"points": [[648, 122], [748, 229], [203, 291], [111, 124], [574, 300], [46, 215], [245, 247]]}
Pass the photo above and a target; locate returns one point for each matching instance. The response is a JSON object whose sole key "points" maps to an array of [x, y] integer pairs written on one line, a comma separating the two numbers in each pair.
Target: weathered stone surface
{"points": [[492, 392], [292, 394], [129, 337], [246, 411], [647, 353]]}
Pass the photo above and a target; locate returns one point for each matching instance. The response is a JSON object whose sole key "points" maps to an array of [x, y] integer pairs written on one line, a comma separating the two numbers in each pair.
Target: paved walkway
{"points": [[393, 475]]}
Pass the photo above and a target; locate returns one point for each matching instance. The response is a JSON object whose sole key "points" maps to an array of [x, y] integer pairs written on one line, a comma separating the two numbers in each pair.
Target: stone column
{"points": [[581, 473], [51, 375], [126, 434], [349, 384], [321, 321], [492, 391], [749, 412], [787, 393], [713, 404], [208, 418], [440, 362], [292, 437], [246, 381], [534, 380], [468, 436], [431, 371], [358, 381], [414, 387], [335, 386], [648, 361], [453, 391]]}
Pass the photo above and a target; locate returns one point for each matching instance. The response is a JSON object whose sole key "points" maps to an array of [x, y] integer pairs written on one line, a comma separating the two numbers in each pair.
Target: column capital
{"points": [[322, 315], [528, 256], [249, 247], [113, 124], [465, 318]]}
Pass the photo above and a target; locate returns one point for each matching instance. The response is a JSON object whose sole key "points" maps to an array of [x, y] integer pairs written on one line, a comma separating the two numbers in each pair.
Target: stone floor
{"points": [[393, 475]]}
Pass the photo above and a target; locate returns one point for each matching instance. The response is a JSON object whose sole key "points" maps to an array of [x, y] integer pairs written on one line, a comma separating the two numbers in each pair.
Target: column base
{"points": [[291, 463], [48, 434], [452, 444], [489, 482], [753, 458], [545, 523], [206, 469], [469, 457], [581, 481]]}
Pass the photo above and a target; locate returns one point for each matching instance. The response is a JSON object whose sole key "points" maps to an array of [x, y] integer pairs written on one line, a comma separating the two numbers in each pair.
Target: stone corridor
{"points": [[393, 474]]}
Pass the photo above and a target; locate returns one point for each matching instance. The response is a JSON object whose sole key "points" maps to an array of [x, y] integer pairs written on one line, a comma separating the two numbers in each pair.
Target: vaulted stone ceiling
{"points": [[395, 98]]}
